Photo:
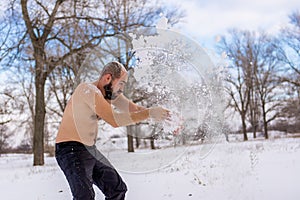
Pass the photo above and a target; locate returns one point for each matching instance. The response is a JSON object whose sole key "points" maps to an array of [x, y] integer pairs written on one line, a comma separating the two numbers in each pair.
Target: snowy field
{"points": [[262, 170]]}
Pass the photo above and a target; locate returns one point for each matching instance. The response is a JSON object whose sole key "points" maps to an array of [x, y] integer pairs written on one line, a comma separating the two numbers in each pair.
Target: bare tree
{"points": [[289, 54], [13, 121], [289, 50], [253, 79], [46, 27], [19, 105], [239, 83], [267, 81], [4, 136], [4, 120]]}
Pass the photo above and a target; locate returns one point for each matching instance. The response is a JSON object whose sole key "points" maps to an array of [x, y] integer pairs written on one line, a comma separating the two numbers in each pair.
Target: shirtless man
{"points": [[76, 154]]}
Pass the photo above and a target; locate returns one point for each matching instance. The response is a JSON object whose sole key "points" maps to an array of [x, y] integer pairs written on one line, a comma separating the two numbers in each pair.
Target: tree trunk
{"points": [[266, 130], [152, 142], [265, 124], [137, 139], [264, 115], [39, 119], [254, 131], [137, 142], [152, 145], [244, 127], [130, 138]]}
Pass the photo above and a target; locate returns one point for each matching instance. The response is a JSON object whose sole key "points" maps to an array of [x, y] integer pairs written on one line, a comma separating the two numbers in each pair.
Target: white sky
{"points": [[207, 19]]}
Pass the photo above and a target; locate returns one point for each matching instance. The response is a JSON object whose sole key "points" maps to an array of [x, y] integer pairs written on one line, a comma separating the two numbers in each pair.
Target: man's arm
{"points": [[104, 110], [125, 105]]}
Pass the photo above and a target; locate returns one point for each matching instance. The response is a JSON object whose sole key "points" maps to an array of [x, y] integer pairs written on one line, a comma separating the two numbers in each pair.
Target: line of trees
{"points": [[263, 77]]}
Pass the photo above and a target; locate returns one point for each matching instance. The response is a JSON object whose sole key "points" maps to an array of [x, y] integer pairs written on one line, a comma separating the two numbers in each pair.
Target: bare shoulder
{"points": [[87, 89]]}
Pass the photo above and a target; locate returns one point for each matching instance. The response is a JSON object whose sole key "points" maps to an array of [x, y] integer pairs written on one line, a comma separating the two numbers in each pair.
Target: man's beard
{"points": [[108, 91], [109, 94]]}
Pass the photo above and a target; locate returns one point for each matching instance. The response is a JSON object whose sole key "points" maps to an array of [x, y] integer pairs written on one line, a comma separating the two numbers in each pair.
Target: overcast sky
{"points": [[208, 18]]}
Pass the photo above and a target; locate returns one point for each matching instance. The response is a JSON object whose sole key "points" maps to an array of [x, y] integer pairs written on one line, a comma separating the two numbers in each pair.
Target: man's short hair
{"points": [[114, 68]]}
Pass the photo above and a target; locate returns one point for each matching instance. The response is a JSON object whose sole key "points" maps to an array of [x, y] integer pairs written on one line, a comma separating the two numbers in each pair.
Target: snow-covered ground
{"points": [[261, 170]]}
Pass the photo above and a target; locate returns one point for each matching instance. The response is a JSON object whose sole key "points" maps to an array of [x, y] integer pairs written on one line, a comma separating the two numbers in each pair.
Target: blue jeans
{"points": [[84, 166]]}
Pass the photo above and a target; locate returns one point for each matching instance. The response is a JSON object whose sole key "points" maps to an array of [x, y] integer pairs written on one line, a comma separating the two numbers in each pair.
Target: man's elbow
{"points": [[115, 125]]}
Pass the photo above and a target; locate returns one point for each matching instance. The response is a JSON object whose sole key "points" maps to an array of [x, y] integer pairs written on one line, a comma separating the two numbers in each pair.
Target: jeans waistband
{"points": [[72, 144]]}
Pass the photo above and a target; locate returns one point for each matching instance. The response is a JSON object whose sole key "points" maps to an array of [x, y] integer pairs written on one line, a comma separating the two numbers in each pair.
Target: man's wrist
{"points": [[148, 112]]}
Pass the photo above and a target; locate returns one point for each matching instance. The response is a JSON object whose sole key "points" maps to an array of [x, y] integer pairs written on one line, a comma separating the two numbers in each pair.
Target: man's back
{"points": [[79, 122]]}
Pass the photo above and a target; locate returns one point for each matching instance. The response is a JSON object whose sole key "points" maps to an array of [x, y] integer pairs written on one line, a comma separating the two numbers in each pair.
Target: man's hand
{"points": [[159, 113]]}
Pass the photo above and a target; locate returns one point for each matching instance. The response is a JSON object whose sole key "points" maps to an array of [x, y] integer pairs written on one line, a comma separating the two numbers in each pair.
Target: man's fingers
{"points": [[159, 113], [167, 115]]}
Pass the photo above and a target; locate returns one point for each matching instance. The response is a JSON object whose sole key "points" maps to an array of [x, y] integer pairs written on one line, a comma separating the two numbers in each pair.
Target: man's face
{"points": [[116, 87]]}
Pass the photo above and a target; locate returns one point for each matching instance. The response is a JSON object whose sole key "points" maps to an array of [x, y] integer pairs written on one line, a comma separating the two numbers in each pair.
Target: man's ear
{"points": [[107, 78]]}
